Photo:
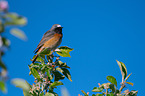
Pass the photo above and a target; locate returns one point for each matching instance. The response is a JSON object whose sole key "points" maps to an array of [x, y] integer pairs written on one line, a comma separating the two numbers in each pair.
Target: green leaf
{"points": [[56, 83], [44, 68], [112, 80], [1, 27], [3, 87], [42, 94], [60, 70], [49, 94], [105, 85], [26, 93], [21, 83], [64, 51], [14, 19], [61, 64], [58, 76], [98, 94], [6, 42], [97, 89], [111, 94], [18, 33], [127, 77], [30, 73], [65, 48], [133, 93], [28, 84], [12, 15], [35, 73], [39, 59], [2, 65], [35, 65], [49, 75], [130, 83], [45, 52], [84, 93], [67, 73], [122, 69], [112, 87]]}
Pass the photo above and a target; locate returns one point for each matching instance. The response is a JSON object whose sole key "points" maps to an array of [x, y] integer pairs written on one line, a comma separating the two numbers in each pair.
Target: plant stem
{"points": [[122, 86]]}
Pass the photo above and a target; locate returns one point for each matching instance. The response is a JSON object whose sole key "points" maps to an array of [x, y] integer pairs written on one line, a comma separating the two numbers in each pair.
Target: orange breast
{"points": [[53, 41]]}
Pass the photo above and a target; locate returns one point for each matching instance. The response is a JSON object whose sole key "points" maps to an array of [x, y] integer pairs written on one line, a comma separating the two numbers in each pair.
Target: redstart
{"points": [[50, 40]]}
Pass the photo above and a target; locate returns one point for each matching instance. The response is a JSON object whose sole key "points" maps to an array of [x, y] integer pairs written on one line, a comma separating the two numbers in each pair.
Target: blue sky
{"points": [[100, 31]]}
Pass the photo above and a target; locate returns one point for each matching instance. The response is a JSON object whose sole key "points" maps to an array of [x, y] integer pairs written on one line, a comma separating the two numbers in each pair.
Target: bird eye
{"points": [[58, 25]]}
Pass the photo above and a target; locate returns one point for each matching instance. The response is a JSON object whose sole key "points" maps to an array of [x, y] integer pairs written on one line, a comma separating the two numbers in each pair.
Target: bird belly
{"points": [[54, 42]]}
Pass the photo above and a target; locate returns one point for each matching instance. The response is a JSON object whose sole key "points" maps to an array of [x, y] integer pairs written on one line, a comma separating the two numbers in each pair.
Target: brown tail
{"points": [[35, 58]]}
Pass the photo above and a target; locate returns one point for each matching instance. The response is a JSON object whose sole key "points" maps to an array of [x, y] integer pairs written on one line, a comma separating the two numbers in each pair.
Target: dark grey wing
{"points": [[48, 35]]}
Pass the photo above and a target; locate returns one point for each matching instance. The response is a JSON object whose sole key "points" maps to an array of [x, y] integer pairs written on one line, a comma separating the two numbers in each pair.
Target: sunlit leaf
{"points": [[6, 42], [49, 75], [97, 89], [130, 83], [35, 73], [84, 93], [112, 80], [28, 84], [105, 85], [3, 87], [49, 94], [122, 69], [21, 83], [15, 19], [26, 93], [35, 65], [56, 83], [133, 93], [12, 15], [127, 77], [61, 64], [59, 69], [67, 73], [18, 33], [44, 68], [64, 51]]}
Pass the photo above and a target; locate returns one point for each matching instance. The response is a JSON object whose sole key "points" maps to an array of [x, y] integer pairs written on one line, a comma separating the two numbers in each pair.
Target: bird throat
{"points": [[58, 30]]}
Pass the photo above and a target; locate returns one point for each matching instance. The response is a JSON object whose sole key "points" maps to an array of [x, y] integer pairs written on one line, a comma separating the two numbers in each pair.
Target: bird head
{"points": [[57, 28]]}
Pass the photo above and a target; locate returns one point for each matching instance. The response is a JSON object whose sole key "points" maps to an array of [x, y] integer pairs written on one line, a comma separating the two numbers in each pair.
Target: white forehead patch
{"points": [[58, 25]]}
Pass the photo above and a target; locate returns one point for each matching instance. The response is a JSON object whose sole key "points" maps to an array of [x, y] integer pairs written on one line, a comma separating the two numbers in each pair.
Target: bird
{"points": [[50, 40]]}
